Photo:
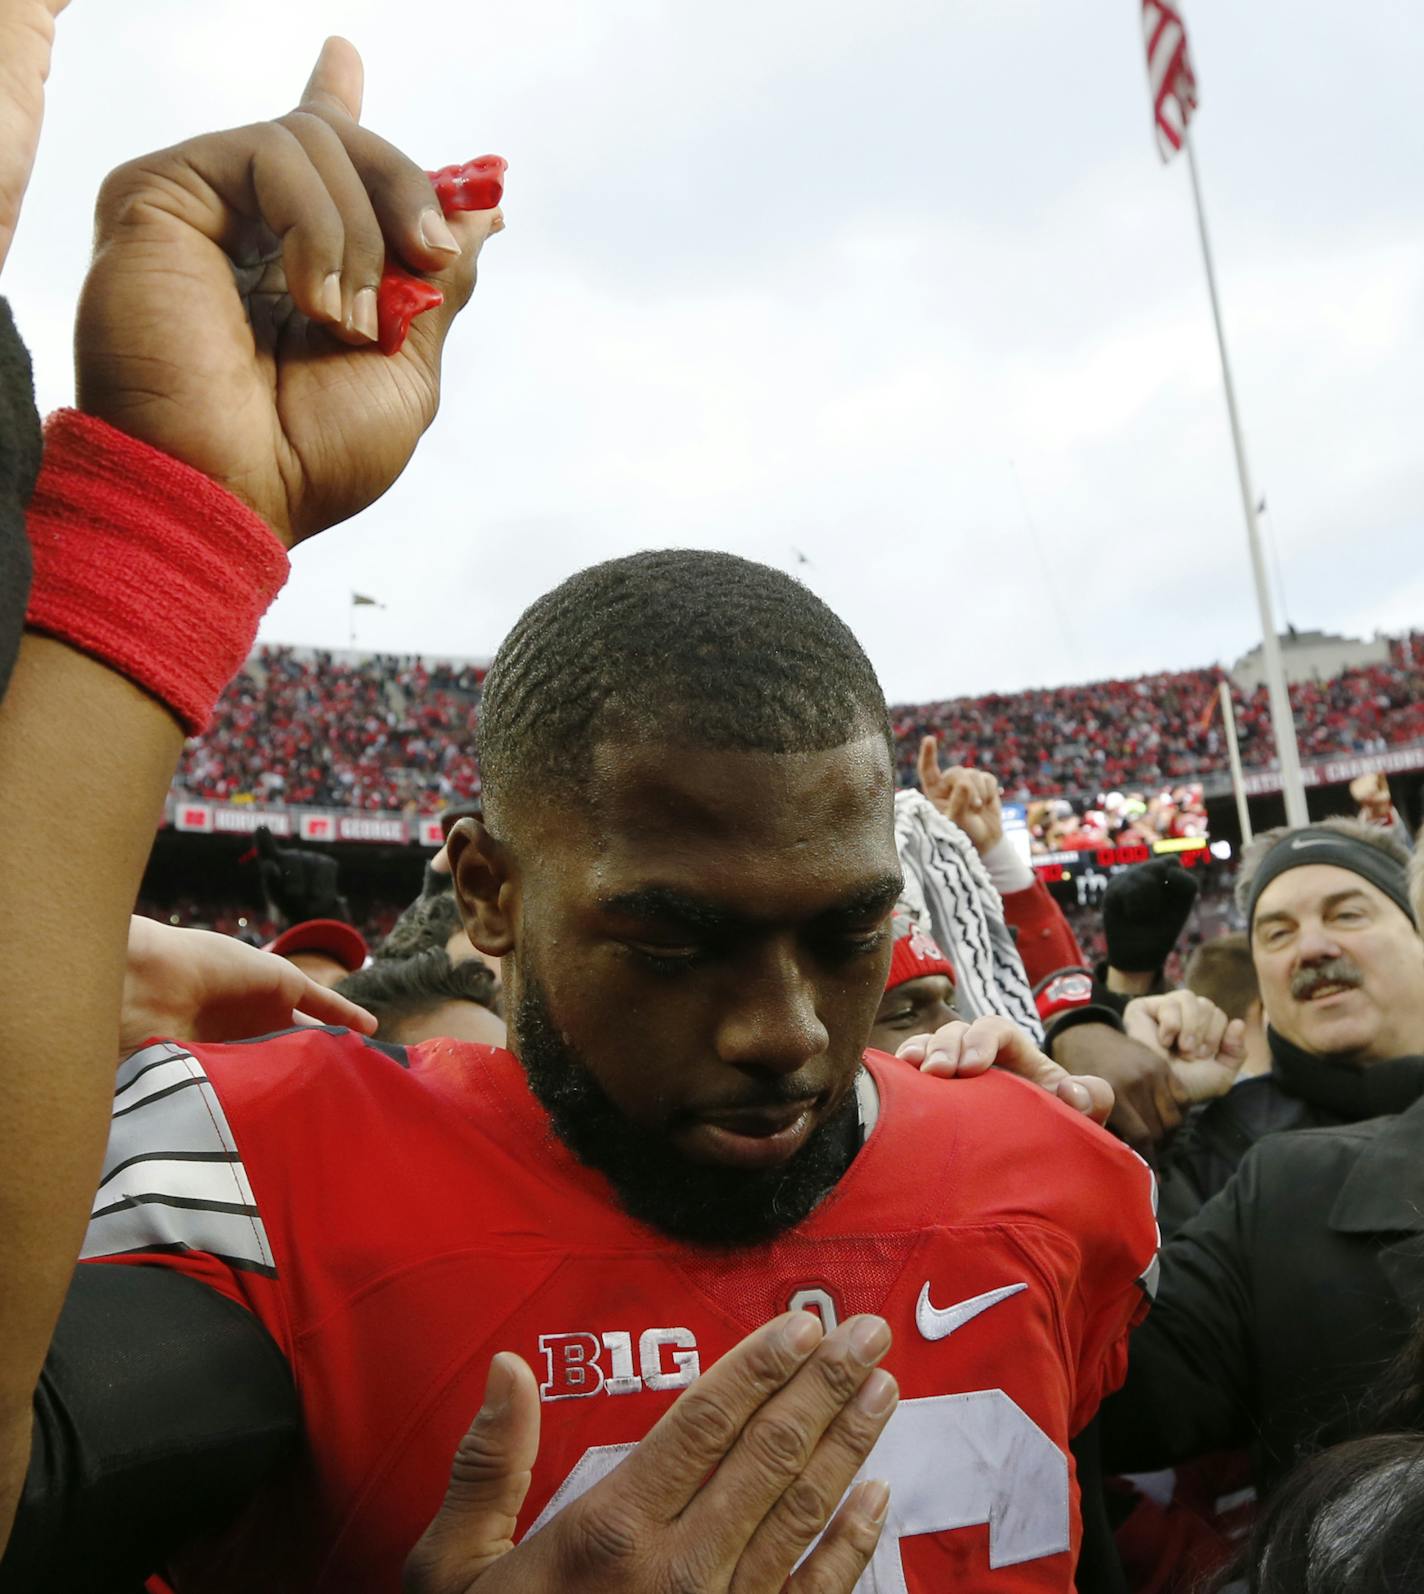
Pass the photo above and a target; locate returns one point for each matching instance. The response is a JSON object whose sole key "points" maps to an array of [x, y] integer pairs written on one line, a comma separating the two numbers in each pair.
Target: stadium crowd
{"points": [[731, 1125], [310, 730], [393, 733], [1080, 741]]}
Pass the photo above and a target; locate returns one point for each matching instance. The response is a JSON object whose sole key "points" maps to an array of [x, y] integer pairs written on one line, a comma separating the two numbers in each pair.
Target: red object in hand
{"points": [[477, 185], [399, 300]]}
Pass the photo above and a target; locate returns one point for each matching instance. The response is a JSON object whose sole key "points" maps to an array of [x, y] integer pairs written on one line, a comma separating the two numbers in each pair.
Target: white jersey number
{"points": [[952, 1461]]}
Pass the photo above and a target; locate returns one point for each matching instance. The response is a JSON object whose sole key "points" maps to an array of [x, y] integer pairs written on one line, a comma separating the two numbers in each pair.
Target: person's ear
{"points": [[486, 887]]}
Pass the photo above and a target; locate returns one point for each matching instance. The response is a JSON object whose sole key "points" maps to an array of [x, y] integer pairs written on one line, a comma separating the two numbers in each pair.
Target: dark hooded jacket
{"points": [[1302, 1091], [1284, 1300]]}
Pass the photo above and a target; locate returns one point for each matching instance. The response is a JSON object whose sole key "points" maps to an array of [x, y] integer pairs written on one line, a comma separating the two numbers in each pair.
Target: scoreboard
{"points": [[1192, 852]]}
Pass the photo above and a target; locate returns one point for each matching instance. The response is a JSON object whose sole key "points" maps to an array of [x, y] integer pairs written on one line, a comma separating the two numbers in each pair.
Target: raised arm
{"points": [[231, 404]]}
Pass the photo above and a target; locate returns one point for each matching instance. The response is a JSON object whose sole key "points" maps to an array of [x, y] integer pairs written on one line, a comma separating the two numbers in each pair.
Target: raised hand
{"points": [[26, 41], [724, 1495], [229, 317], [967, 797]]}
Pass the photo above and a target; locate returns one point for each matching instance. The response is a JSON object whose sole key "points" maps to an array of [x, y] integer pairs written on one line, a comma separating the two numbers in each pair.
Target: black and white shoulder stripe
{"points": [[173, 1177]]}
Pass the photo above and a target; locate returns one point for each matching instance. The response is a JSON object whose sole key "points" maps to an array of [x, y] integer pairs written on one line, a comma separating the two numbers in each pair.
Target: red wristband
{"points": [[147, 564]]}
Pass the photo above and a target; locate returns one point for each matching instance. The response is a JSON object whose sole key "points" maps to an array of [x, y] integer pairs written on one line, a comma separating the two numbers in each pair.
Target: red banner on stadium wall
{"points": [[305, 824], [390, 828], [1335, 771]]}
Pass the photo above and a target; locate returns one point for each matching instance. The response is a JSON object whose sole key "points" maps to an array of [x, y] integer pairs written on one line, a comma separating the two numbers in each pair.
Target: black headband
{"points": [[1316, 844]]}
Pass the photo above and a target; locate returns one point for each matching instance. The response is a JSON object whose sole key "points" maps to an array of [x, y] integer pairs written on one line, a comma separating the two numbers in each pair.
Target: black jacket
{"points": [[1281, 1303], [1300, 1092]]}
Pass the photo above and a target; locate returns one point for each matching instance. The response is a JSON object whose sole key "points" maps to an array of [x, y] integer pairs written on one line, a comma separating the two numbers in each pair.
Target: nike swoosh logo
{"points": [[936, 1323], [1306, 841]]}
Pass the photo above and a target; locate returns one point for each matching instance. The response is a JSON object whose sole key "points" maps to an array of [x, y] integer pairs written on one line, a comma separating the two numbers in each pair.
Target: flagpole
{"points": [[1233, 752], [1282, 720]]}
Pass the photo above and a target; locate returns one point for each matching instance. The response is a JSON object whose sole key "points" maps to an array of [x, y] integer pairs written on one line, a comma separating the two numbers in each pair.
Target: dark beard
{"points": [[653, 1183]]}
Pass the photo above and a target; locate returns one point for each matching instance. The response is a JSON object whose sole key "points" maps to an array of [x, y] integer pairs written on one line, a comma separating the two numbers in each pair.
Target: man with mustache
{"points": [[1281, 1301], [1338, 959]]}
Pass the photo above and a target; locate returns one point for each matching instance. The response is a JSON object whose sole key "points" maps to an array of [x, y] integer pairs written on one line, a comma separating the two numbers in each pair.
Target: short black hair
{"points": [[672, 645], [427, 923], [395, 989]]}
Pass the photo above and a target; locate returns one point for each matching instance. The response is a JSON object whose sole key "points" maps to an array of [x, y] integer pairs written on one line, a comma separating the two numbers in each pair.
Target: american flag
{"points": [[1169, 71]]}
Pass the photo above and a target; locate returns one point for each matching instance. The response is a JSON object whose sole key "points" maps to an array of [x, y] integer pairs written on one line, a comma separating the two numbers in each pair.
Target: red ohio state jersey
{"points": [[394, 1226]]}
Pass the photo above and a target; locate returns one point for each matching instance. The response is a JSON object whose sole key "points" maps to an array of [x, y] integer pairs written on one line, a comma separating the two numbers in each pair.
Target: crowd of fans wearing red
{"points": [[1077, 741], [395, 734], [309, 730]]}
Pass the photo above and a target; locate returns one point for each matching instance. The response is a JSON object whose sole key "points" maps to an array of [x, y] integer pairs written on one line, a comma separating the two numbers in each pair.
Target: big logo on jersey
{"points": [[583, 1364], [952, 1461]]}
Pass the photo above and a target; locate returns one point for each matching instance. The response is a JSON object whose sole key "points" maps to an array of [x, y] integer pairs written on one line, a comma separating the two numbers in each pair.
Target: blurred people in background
{"points": [[1376, 806], [1223, 971], [427, 996], [1126, 758]]}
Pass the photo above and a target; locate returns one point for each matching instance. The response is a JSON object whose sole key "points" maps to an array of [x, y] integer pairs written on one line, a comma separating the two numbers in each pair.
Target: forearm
{"points": [[1121, 982], [85, 760]]}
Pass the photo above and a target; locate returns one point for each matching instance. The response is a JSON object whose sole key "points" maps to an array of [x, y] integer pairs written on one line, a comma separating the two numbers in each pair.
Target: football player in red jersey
{"points": [[688, 1140], [686, 863]]}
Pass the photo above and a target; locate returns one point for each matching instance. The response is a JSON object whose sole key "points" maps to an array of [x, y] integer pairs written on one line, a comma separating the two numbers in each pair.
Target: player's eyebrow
{"points": [[870, 901], [669, 904]]}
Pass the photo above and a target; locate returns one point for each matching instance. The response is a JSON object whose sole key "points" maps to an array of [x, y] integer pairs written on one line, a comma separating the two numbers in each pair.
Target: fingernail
{"points": [[938, 1056], [975, 1054], [875, 1501], [877, 1394], [869, 1340], [911, 1050], [363, 314], [331, 296], [499, 1385], [803, 1333], [434, 234], [1075, 1095]]}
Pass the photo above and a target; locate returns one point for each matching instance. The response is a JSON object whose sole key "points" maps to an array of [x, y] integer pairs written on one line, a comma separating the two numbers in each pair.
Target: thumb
{"points": [[1085, 1093], [489, 1479], [338, 79]]}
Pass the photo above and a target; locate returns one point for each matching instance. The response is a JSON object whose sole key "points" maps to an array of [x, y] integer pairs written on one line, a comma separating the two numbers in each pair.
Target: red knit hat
{"points": [[916, 954]]}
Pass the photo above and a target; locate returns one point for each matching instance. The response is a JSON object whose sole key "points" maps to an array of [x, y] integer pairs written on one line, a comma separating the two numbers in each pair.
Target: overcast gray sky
{"points": [[902, 286]]}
